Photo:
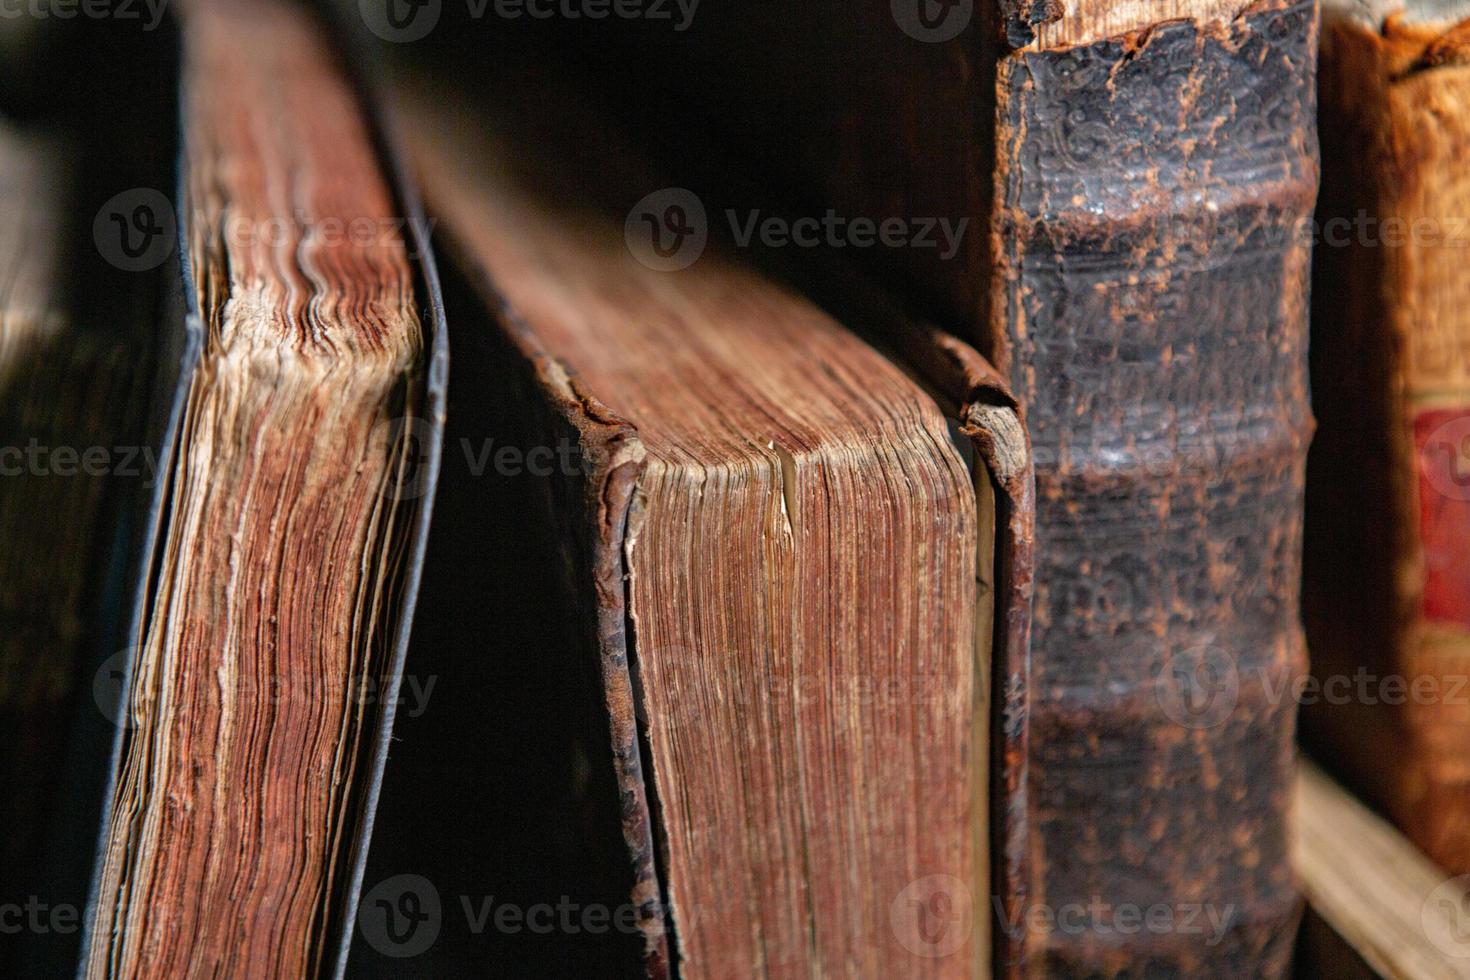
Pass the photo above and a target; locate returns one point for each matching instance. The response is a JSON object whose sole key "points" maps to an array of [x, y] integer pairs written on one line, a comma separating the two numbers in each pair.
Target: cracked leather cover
{"points": [[1151, 193]]}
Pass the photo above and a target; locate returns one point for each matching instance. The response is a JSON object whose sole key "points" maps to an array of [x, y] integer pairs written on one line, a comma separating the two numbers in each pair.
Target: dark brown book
{"points": [[1134, 181], [781, 572], [1387, 599]]}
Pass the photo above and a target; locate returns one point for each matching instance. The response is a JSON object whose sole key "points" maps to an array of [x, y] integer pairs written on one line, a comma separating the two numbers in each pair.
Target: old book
{"points": [[764, 597], [1376, 906], [1127, 188], [284, 542], [1387, 598]]}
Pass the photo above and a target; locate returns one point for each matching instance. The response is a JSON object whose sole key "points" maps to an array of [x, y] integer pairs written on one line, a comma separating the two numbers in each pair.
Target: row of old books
{"points": [[859, 530]]}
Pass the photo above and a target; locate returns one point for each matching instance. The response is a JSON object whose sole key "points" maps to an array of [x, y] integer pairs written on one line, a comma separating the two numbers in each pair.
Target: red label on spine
{"points": [[1442, 439]]}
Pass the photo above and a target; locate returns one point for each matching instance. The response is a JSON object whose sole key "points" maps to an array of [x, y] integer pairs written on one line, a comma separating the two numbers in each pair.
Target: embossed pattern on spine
{"points": [[1149, 224]]}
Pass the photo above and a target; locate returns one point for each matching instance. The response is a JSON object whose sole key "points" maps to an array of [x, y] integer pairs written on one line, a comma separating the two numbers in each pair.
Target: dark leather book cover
{"points": [[1126, 191], [1151, 280]]}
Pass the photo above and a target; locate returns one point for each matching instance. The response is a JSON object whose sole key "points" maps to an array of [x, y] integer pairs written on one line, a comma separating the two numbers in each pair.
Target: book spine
{"points": [[1150, 281], [1387, 599]]}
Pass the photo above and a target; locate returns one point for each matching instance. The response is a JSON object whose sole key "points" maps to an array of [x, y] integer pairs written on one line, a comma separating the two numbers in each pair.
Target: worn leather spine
{"points": [[1150, 278], [1387, 587]]}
